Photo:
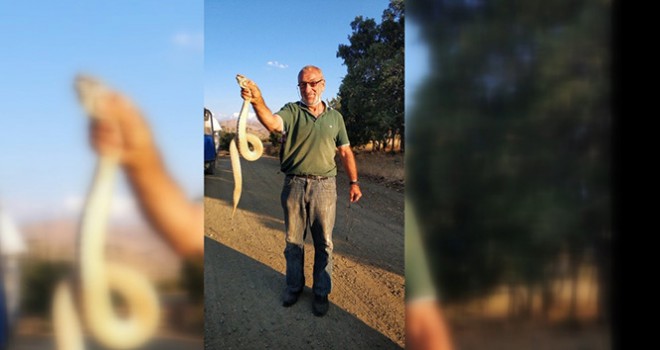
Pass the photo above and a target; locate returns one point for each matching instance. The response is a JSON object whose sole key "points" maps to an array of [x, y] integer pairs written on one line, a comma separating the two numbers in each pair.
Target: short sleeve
{"points": [[419, 283], [342, 135], [286, 114]]}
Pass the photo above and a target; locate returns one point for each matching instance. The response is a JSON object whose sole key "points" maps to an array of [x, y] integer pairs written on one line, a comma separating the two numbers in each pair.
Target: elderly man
{"points": [[313, 133]]}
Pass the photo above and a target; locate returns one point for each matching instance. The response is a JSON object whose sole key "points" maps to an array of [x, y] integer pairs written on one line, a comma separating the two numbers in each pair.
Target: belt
{"points": [[314, 177]]}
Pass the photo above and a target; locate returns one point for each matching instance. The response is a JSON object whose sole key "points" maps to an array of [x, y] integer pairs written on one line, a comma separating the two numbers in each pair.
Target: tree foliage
{"points": [[508, 148], [39, 279], [371, 93], [192, 278], [225, 140]]}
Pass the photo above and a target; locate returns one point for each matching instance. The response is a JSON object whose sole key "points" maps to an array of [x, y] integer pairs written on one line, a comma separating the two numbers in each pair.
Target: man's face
{"points": [[311, 85]]}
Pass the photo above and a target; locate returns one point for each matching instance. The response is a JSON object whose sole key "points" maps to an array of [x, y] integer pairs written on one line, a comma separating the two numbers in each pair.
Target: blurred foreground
{"points": [[509, 158], [49, 258]]}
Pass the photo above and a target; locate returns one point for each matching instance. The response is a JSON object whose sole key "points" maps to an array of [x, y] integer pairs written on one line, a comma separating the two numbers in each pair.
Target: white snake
{"points": [[242, 139], [89, 298]]}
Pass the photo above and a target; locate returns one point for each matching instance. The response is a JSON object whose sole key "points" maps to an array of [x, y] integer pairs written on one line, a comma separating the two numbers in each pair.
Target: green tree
{"points": [[39, 279], [225, 140], [371, 93], [508, 147], [335, 103], [192, 278]]}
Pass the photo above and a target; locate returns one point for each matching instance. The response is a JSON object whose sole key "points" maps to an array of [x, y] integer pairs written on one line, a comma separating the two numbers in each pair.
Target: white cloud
{"points": [[277, 64], [73, 204], [188, 40], [122, 208], [30, 210], [250, 115]]}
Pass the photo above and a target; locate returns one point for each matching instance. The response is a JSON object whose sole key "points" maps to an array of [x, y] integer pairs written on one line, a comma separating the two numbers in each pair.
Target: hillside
{"points": [[253, 127], [135, 245]]}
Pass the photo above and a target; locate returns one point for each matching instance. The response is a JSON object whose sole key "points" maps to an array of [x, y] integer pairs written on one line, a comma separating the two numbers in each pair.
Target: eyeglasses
{"points": [[312, 84]]}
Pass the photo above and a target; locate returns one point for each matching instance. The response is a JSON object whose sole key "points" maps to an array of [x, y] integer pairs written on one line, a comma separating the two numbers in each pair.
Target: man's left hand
{"points": [[355, 194]]}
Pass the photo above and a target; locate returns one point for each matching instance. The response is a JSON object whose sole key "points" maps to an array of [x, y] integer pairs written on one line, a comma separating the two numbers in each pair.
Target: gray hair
{"points": [[309, 67]]}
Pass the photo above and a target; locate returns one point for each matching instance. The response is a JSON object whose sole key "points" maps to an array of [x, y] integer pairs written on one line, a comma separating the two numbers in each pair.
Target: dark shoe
{"points": [[289, 298], [320, 305]]}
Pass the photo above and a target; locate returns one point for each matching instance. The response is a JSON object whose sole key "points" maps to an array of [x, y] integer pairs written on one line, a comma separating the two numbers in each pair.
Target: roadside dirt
{"points": [[244, 267]]}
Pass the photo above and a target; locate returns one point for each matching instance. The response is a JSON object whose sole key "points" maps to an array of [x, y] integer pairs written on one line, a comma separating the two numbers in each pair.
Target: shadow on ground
{"points": [[243, 310]]}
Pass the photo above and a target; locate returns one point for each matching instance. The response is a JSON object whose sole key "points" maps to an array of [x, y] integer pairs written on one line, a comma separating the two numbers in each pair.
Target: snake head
{"points": [[89, 90], [242, 81]]}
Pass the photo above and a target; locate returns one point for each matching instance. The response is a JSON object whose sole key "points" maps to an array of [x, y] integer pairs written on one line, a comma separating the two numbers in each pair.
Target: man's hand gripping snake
{"points": [[239, 145], [87, 300]]}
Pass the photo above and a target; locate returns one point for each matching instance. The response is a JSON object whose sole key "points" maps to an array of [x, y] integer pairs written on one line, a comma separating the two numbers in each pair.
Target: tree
{"points": [[225, 140], [508, 149], [371, 93], [38, 284]]}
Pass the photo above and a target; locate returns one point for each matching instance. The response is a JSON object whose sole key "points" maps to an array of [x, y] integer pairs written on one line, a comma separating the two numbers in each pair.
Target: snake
{"points": [[239, 145], [85, 301]]}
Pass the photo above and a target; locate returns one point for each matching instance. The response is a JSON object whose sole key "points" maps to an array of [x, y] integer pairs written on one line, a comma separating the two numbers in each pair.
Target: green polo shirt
{"points": [[311, 143]]}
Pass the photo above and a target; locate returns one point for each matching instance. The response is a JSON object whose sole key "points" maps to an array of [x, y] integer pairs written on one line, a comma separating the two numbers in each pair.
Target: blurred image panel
{"points": [[509, 166], [151, 54]]}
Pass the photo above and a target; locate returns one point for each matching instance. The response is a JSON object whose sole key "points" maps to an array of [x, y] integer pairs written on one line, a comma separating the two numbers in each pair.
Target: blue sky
{"points": [[171, 57], [150, 50], [417, 63], [270, 42]]}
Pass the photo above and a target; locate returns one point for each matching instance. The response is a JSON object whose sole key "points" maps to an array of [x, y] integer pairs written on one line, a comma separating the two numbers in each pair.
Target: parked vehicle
{"points": [[212, 130]]}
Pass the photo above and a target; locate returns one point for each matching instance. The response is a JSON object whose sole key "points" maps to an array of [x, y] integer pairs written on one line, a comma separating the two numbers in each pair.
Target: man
{"points": [[313, 133], [426, 327]]}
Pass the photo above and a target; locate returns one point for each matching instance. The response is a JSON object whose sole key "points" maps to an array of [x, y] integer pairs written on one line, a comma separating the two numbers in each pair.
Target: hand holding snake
{"points": [[88, 301], [239, 145]]}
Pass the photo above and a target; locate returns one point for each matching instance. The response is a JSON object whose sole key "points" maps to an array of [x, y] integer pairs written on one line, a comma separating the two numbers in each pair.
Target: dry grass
{"points": [[379, 166], [387, 168], [497, 305]]}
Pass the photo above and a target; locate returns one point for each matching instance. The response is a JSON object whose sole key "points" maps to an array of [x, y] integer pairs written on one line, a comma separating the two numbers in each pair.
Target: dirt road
{"points": [[244, 268]]}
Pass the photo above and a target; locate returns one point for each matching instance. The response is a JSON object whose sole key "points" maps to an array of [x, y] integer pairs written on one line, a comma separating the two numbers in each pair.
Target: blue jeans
{"points": [[309, 203]]}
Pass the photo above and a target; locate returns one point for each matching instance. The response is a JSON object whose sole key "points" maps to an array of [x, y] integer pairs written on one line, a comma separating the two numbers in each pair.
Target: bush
{"points": [[192, 278], [39, 279], [225, 139]]}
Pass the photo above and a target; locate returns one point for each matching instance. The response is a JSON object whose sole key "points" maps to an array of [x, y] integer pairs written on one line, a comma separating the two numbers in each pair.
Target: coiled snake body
{"points": [[239, 145], [89, 296]]}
